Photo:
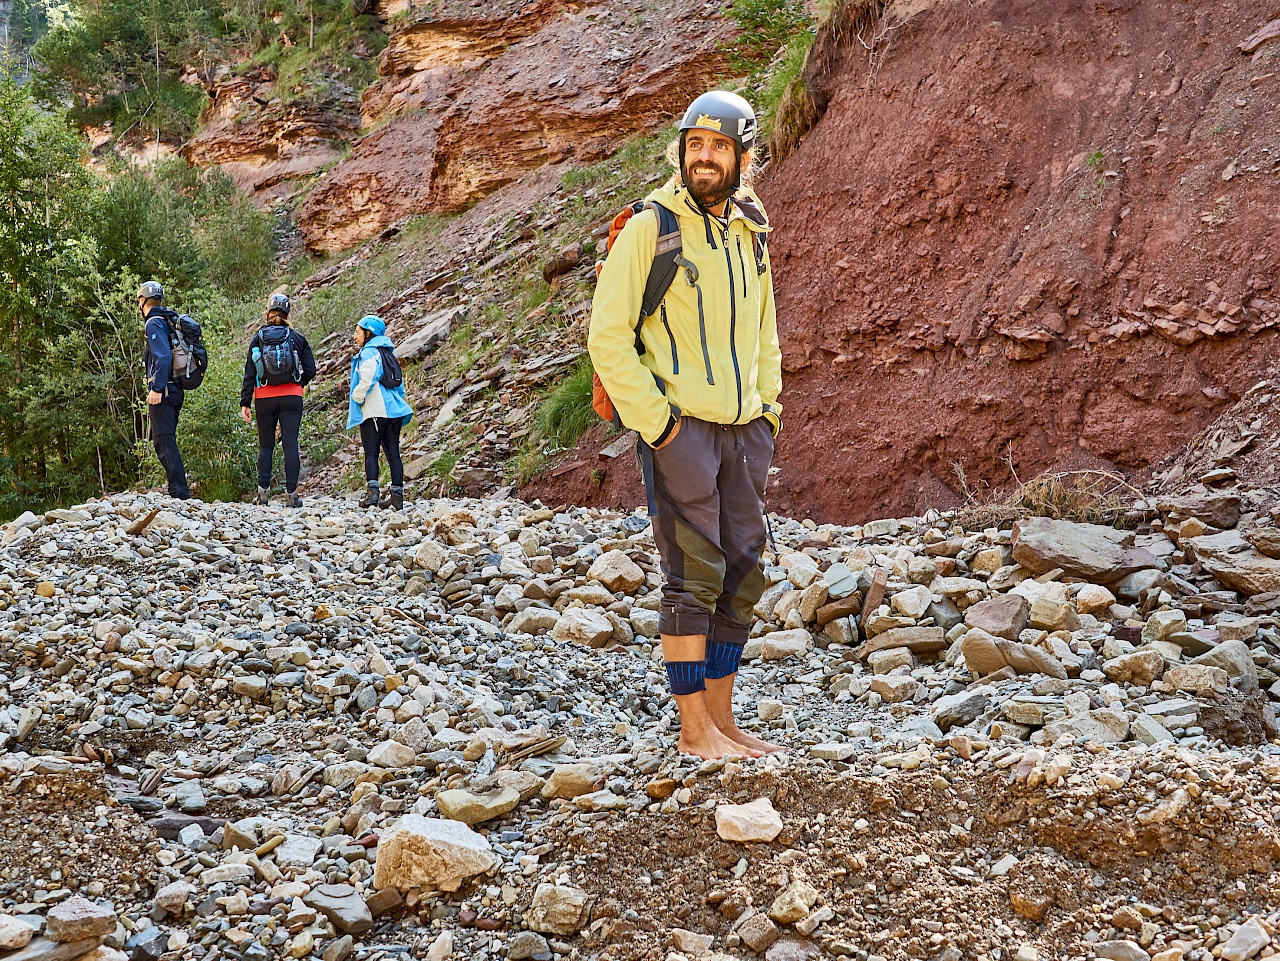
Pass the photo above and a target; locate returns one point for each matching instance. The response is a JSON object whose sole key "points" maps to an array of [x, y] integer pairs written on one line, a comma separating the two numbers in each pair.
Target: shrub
{"points": [[566, 413]]}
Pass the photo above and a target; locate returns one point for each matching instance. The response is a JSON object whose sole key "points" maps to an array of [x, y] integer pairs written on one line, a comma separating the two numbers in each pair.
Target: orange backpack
{"points": [[661, 274]]}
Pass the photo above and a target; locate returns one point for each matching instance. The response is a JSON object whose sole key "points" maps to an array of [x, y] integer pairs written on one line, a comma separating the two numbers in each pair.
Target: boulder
{"points": [[1147, 730], [1105, 726], [957, 710], [557, 909], [342, 905], [984, 654], [1140, 667], [1235, 562], [1200, 679], [1005, 615], [569, 781], [392, 754], [77, 919], [794, 902], [1266, 541], [473, 808], [616, 571], [173, 896], [1094, 599], [1217, 510], [1250, 938], [894, 688], [14, 933], [744, 823], [1089, 551], [912, 602], [298, 851], [533, 620], [918, 640], [420, 852], [582, 626], [1161, 625], [758, 932], [779, 645], [1234, 658]]}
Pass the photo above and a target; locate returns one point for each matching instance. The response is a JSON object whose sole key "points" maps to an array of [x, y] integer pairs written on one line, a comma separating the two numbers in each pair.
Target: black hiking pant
{"points": [[382, 433], [287, 412], [163, 420]]}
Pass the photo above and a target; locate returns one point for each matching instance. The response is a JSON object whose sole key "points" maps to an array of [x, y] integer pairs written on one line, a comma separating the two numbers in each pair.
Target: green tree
{"points": [[45, 254]]}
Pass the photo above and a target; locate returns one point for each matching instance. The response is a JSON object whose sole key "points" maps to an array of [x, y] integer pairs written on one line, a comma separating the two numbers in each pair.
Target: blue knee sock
{"points": [[723, 658], [687, 677]]}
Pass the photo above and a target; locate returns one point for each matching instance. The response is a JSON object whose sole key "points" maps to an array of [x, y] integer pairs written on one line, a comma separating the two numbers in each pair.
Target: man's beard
{"points": [[710, 194]]}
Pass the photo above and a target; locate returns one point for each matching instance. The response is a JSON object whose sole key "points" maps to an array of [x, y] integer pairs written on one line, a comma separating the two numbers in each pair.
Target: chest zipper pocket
{"points": [[742, 265], [691, 278], [675, 357]]}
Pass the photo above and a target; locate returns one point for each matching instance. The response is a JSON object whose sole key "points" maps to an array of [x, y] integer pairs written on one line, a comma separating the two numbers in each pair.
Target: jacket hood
{"points": [[746, 205], [380, 341]]}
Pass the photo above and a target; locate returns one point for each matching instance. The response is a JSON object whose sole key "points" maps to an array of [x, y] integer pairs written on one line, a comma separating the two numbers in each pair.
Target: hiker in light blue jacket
{"points": [[378, 407]]}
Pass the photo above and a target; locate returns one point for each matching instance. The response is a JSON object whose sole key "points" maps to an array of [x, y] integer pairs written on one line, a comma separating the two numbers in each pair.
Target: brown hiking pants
{"points": [[709, 485]]}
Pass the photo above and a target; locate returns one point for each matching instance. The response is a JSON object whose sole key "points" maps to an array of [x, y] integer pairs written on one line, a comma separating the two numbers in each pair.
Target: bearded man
{"points": [[698, 379]]}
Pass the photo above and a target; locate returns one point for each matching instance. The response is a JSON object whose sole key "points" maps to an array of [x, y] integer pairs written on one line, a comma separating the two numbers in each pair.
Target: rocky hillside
{"points": [[467, 100], [229, 731], [1041, 232]]}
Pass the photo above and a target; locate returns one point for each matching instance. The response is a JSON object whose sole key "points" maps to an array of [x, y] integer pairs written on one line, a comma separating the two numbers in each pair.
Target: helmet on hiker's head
{"points": [[723, 113], [279, 302], [373, 325], [151, 290]]}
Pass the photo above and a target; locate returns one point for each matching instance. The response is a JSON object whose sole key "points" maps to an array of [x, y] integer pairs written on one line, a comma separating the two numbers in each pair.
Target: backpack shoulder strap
{"points": [[663, 270], [665, 252]]}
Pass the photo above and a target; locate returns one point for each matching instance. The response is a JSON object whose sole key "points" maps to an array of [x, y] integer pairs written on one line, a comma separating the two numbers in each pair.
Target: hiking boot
{"points": [[397, 498], [294, 499], [370, 496], [264, 495]]}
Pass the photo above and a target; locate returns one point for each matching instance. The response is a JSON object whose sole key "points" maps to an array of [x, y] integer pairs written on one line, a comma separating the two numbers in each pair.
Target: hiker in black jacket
{"points": [[279, 365], [164, 397]]}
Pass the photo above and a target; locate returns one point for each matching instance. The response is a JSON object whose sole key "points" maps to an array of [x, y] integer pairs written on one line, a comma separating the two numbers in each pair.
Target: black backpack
{"points": [[190, 356], [278, 362], [392, 376]]}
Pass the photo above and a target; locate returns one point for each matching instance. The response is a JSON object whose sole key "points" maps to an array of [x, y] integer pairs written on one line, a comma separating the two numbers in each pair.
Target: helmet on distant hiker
{"points": [[373, 325], [279, 302], [723, 113], [151, 290]]}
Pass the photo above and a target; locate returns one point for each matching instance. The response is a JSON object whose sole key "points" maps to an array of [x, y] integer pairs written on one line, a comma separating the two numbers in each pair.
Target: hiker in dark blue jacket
{"points": [[164, 397]]}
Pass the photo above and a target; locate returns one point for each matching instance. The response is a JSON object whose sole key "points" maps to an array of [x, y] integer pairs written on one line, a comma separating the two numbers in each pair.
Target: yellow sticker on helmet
{"points": [[711, 123]]}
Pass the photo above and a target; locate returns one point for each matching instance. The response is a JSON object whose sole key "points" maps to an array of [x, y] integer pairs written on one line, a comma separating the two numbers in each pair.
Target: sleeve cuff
{"points": [[775, 422], [662, 438]]}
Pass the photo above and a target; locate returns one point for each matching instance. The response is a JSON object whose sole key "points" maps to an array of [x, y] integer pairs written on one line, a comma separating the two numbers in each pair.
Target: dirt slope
{"points": [[1038, 230], [1042, 232]]}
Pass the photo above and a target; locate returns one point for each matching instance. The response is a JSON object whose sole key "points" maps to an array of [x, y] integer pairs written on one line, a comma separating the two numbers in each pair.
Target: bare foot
{"points": [[710, 744], [739, 736]]}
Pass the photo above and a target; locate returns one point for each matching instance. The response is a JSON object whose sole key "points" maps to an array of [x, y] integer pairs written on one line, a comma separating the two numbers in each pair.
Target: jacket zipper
{"points": [[702, 331], [733, 324], [743, 265], [675, 358]]}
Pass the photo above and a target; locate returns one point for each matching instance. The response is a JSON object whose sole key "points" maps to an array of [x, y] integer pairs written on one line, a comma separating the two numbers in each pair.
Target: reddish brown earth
{"points": [[271, 145], [1037, 233], [469, 104]]}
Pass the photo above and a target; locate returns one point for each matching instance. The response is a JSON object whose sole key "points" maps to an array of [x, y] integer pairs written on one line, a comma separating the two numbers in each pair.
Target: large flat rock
{"points": [[1096, 553], [1236, 563]]}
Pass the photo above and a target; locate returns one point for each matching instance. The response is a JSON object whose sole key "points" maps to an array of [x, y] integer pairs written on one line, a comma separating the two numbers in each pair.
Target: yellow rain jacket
{"points": [[711, 348]]}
